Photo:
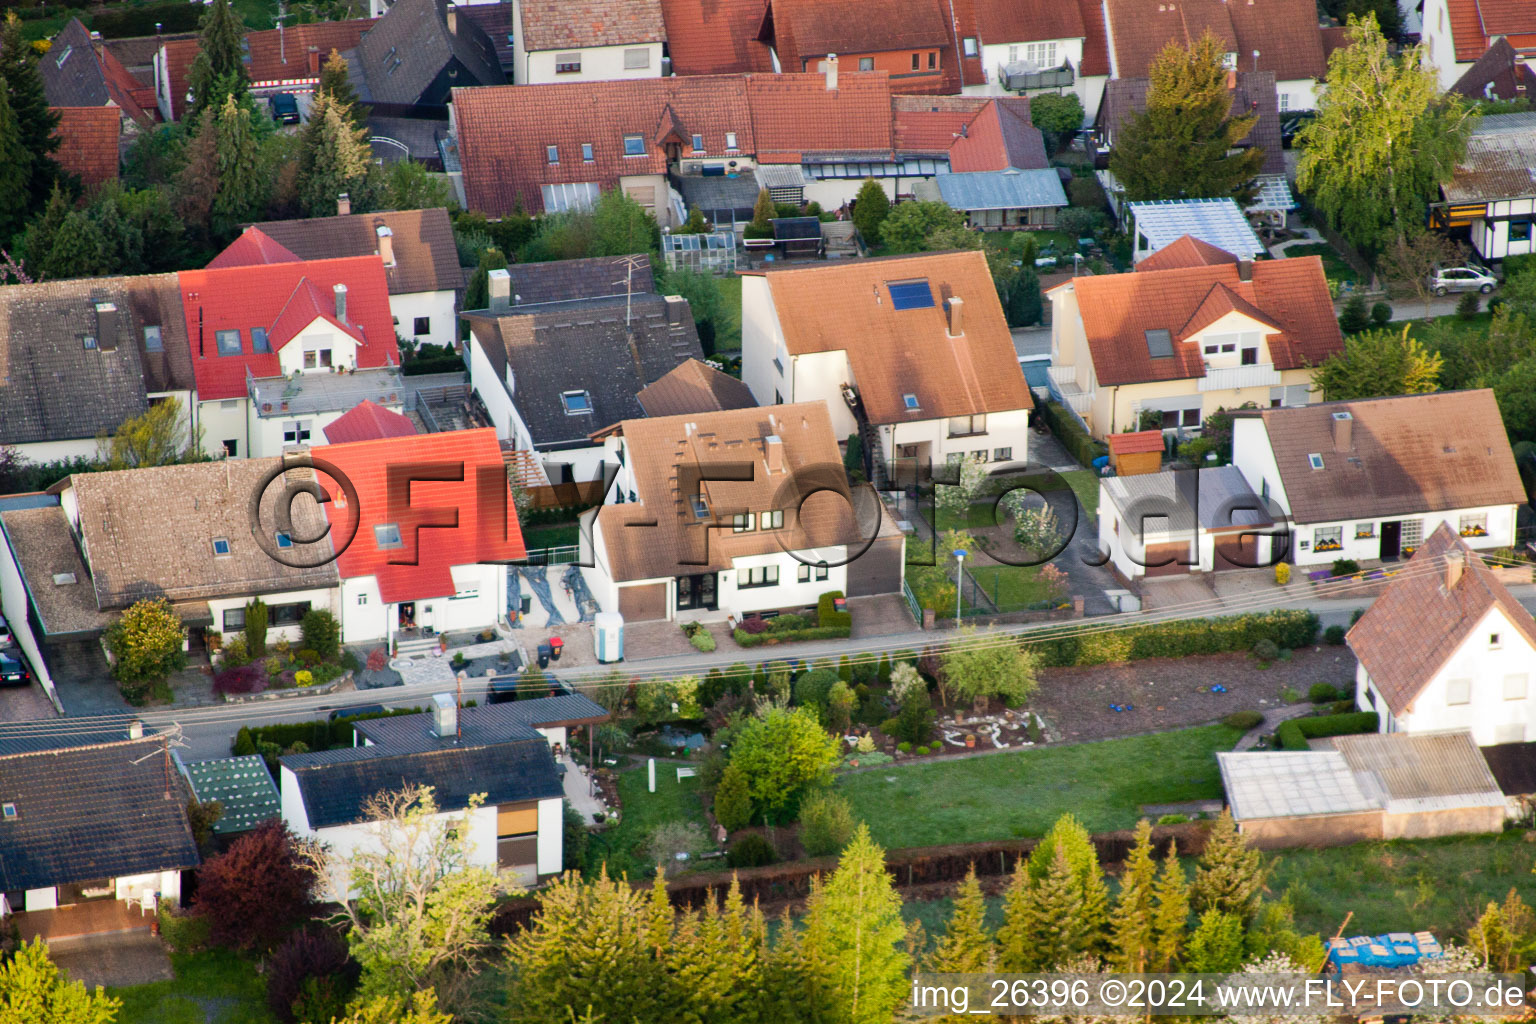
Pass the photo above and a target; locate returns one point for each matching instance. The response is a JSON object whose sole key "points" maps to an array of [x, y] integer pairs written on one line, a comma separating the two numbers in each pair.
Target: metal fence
{"points": [[912, 605], [565, 554]]}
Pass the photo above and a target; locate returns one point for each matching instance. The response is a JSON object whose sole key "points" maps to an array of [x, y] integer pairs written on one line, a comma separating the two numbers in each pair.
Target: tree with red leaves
{"points": [[256, 891]]}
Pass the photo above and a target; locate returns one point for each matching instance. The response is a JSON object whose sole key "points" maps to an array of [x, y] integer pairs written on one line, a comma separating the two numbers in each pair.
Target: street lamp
{"points": [[959, 554]]}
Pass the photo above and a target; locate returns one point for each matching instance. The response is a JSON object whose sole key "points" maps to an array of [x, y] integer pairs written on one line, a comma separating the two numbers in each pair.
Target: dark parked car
{"points": [[358, 709], [285, 109], [13, 671]]}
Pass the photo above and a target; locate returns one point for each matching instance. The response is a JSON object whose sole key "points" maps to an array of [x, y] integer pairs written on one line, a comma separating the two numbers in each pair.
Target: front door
{"points": [[1391, 541], [407, 614], [696, 592]]}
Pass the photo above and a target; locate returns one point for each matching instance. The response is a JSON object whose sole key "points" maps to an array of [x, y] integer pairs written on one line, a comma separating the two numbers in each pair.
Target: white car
{"points": [[1469, 278], [6, 639]]}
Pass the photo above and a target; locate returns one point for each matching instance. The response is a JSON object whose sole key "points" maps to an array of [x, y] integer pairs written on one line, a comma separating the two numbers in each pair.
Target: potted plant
{"points": [[970, 739]]}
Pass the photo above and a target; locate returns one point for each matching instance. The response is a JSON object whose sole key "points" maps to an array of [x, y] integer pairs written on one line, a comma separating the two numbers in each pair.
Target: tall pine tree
{"points": [[865, 935], [15, 166], [241, 194], [197, 184], [334, 159], [1014, 954], [1230, 874], [1070, 837], [35, 120], [219, 68], [1133, 930], [335, 81], [967, 943], [1055, 917], [1171, 920]]}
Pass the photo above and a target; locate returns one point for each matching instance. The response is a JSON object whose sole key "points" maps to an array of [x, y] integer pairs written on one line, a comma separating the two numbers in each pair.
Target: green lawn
{"points": [[214, 987], [1011, 586], [1085, 484], [728, 335], [552, 536], [1334, 266], [642, 811], [1002, 796]]}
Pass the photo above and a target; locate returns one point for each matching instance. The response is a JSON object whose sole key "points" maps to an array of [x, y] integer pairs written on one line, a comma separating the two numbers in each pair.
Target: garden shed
{"points": [[1135, 453]]}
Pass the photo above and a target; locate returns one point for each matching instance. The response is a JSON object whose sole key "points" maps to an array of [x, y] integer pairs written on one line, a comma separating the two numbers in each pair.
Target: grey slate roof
{"points": [[335, 785], [585, 346], [46, 551], [53, 388], [70, 71], [85, 813], [718, 192], [1002, 190], [54, 734], [404, 55], [566, 280], [489, 723]]}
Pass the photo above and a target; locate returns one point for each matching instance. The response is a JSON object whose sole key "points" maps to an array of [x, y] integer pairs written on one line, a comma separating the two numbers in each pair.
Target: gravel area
{"points": [[1170, 693]]}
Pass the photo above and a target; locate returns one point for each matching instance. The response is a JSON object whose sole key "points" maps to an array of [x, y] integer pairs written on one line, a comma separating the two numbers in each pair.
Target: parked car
{"points": [[6, 639], [1291, 125], [507, 688], [285, 109], [358, 709], [1469, 278], [13, 671]]}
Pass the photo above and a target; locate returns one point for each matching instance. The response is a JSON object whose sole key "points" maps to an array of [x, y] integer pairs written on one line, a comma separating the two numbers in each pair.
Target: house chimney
{"points": [[136, 729], [445, 716], [341, 302], [499, 286], [956, 310], [1245, 270], [773, 453], [675, 306], [452, 14], [106, 326], [1455, 561], [343, 205], [1343, 431], [830, 66], [386, 244]]}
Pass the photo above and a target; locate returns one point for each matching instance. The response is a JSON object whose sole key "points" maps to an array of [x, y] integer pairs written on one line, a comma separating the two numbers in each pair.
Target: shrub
{"points": [[840, 704], [378, 659], [1293, 735], [751, 851], [904, 746], [826, 615], [1345, 567], [183, 930], [256, 628], [891, 726], [1381, 314], [1466, 306], [1323, 693], [255, 891], [322, 633], [752, 625], [914, 721], [313, 954], [1181, 639], [1344, 706], [1356, 315], [1282, 574], [146, 644], [304, 677], [1265, 650], [826, 823], [1334, 635], [904, 678], [674, 837], [702, 641], [233, 653], [733, 800], [308, 657], [1243, 720], [1356, 615], [814, 687], [241, 679], [1173, 819], [1070, 433]]}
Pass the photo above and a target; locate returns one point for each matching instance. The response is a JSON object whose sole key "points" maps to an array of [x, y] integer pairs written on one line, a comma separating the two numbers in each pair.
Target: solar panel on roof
{"points": [[911, 295], [1159, 343], [797, 227]]}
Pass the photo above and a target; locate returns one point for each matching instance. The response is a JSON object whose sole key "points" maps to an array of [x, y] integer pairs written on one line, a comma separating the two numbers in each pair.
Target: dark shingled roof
{"points": [[695, 387], [84, 813], [54, 734], [1514, 766], [585, 346], [426, 259], [563, 280], [53, 388], [490, 723], [336, 784], [405, 56]]}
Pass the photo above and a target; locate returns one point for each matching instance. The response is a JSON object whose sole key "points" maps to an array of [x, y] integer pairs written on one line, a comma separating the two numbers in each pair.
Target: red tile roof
{"points": [[504, 131], [1118, 309], [561, 24], [292, 55], [1000, 136], [1022, 21], [442, 523], [127, 92], [972, 72], [1185, 251], [367, 421], [239, 298], [254, 247], [1475, 22], [716, 37], [88, 142], [928, 131], [1096, 41], [1285, 32], [807, 30], [1136, 443]]}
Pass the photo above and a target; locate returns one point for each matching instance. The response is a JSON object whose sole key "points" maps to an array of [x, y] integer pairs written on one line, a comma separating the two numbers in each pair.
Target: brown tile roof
{"points": [[1185, 251], [1000, 136], [88, 140], [716, 37], [1096, 41], [149, 532], [426, 258], [1502, 68], [692, 387], [1022, 21], [927, 131], [1414, 627], [1118, 309], [1136, 442], [293, 54], [807, 30], [847, 307], [45, 549], [1335, 37], [670, 454], [1285, 32], [972, 72], [1411, 453], [561, 24], [504, 132]]}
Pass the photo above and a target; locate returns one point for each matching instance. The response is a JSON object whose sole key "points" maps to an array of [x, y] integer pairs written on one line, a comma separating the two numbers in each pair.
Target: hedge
{"points": [[1285, 628], [1071, 433], [746, 639], [1293, 734], [320, 734], [825, 616]]}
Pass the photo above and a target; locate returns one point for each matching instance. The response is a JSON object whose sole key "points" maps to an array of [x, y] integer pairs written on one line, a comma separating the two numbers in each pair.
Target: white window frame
{"points": [[1473, 521], [637, 58], [568, 63], [756, 577], [1458, 692], [296, 432], [1332, 535], [742, 522]]}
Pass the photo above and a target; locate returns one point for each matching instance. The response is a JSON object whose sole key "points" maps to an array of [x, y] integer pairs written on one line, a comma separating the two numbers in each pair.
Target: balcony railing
{"points": [[1258, 375], [1064, 386]]}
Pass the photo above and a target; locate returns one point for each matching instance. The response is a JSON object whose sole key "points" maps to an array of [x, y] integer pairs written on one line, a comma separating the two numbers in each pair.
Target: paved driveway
{"points": [[113, 959], [24, 703]]}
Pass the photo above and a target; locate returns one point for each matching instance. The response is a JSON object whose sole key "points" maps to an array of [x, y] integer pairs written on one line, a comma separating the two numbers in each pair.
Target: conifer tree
{"points": [[1056, 917], [1133, 929], [1217, 943], [334, 159], [660, 918], [1170, 922], [219, 68], [1071, 838], [1013, 939], [335, 81], [197, 184], [241, 193], [798, 983], [1230, 874], [38, 240], [865, 935], [742, 936], [35, 119], [967, 943], [79, 250], [15, 169]]}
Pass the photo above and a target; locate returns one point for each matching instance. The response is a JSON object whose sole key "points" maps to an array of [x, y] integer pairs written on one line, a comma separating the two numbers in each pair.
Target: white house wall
{"points": [[551, 848], [17, 608], [318, 599], [1501, 533], [488, 385], [364, 615], [819, 377], [1009, 429], [762, 341], [166, 883], [787, 593], [57, 451], [1439, 46], [598, 64], [319, 334], [437, 307], [267, 431], [225, 419]]}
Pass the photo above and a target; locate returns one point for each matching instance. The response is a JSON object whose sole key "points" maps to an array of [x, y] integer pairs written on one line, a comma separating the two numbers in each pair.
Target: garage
{"points": [[644, 602], [1174, 554], [1239, 551]]}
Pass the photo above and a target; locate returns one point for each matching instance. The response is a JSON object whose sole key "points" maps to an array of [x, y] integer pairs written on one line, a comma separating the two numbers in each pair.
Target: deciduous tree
{"points": [[334, 159], [408, 185], [1384, 139], [1056, 115], [257, 890], [146, 646], [1185, 143], [908, 226], [781, 754], [156, 437], [622, 227], [979, 668], [415, 1008], [870, 208], [1377, 364], [1411, 258]]}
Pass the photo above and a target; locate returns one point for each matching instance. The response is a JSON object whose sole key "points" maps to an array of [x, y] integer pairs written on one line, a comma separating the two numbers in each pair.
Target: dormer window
{"points": [[577, 403], [634, 145], [698, 143], [552, 154], [586, 152], [221, 547], [387, 536]]}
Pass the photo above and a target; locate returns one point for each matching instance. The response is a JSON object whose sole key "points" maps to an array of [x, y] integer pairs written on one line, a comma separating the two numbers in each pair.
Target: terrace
{"points": [[325, 392]]}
